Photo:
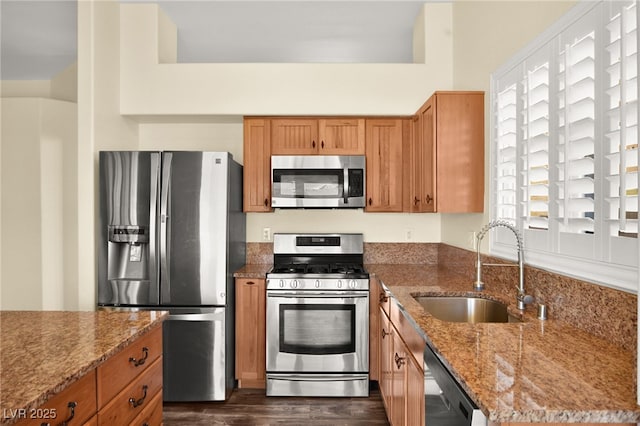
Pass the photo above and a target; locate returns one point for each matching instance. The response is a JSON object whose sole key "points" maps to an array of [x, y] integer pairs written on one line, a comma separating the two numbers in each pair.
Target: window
{"points": [[565, 146]]}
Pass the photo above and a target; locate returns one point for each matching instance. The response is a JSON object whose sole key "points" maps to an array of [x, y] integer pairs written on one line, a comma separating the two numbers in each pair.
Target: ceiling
{"points": [[39, 38]]}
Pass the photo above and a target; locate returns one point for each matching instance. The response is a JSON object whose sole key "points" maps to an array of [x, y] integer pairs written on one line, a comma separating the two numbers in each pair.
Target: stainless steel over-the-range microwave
{"points": [[318, 181]]}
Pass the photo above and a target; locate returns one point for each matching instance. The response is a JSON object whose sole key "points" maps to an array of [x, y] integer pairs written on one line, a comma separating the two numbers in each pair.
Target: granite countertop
{"points": [[533, 371], [257, 270], [43, 352]]}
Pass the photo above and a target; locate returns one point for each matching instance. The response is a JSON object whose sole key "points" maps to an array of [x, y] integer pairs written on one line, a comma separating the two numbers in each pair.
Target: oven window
{"points": [[317, 329], [308, 183]]}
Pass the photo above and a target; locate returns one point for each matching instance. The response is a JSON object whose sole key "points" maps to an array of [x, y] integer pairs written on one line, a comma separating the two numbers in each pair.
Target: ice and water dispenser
{"points": [[128, 263]]}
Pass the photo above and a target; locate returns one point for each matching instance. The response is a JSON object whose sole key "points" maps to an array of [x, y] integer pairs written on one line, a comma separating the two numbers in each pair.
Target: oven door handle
{"points": [[315, 295], [316, 378]]}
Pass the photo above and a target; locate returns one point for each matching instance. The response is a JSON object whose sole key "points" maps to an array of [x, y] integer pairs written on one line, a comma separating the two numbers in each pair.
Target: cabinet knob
{"points": [[250, 282], [385, 334], [266, 202], [429, 199], [322, 144], [382, 298], [370, 201], [313, 144], [416, 200]]}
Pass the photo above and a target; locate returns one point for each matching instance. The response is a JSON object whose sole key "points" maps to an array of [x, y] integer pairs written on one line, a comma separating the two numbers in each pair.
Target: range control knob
{"points": [[339, 283], [281, 283], [294, 284], [353, 284], [317, 284]]}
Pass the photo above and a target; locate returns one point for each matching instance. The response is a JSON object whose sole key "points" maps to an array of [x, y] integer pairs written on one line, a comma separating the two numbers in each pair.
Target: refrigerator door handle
{"points": [[153, 224], [165, 195]]}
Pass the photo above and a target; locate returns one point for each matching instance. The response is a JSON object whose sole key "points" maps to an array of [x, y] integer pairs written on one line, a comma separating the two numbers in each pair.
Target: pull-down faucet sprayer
{"points": [[521, 298]]}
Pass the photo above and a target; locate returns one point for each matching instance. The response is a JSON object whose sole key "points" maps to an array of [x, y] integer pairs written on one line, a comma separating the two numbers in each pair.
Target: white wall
{"points": [[486, 34], [101, 127], [37, 135], [165, 98]]}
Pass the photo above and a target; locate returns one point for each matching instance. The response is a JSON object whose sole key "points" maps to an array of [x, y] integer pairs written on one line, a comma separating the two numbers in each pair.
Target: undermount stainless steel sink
{"points": [[465, 309]]}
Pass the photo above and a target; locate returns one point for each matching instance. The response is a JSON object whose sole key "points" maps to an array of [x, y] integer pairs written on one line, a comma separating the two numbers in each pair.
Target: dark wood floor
{"points": [[251, 407]]}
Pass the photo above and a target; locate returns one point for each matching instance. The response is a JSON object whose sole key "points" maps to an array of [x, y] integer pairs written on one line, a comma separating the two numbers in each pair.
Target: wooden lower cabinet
{"points": [[251, 300], [130, 402], [415, 392], [125, 389], [401, 377], [130, 383], [75, 405]]}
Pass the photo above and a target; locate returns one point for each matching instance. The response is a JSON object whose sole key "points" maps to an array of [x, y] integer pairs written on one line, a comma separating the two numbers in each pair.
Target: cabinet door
{"points": [[340, 136], [415, 393], [294, 136], [399, 392], [425, 155], [384, 150], [374, 330], [257, 165], [459, 119], [250, 333], [386, 360]]}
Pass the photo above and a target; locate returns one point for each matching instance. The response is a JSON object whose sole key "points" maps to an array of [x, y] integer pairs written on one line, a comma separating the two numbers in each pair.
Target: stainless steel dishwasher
{"points": [[446, 404]]}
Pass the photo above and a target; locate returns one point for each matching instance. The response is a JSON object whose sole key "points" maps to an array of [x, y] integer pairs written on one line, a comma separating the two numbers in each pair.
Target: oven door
{"points": [[317, 332]]}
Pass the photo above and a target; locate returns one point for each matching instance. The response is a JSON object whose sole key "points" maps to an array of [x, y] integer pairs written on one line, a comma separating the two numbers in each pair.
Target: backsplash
{"points": [[604, 312]]}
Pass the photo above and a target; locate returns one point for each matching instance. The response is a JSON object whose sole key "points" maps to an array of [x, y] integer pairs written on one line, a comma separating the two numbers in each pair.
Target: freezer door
{"points": [[195, 368], [193, 228]]}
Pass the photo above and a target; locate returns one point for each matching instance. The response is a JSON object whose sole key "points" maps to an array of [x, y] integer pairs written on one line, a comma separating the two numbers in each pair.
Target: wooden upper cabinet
{"points": [[257, 165], [449, 154], [341, 136], [294, 136], [311, 136], [385, 168]]}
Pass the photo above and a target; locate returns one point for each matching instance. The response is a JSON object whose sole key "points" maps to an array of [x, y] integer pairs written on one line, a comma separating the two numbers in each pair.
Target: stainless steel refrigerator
{"points": [[171, 234]]}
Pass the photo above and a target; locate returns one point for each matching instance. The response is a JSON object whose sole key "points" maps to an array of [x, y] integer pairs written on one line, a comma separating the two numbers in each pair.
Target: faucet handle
{"points": [[525, 299]]}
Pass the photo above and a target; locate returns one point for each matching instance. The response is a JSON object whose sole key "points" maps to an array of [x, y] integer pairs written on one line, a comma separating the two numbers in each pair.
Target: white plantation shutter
{"points": [[576, 143], [535, 137], [620, 128], [565, 132], [506, 137]]}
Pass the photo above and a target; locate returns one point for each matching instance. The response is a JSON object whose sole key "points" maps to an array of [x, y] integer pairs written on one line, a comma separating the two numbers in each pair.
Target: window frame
{"points": [[542, 246]]}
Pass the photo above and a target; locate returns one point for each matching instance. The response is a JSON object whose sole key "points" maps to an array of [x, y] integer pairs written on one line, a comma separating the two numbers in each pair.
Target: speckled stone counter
{"points": [[256, 270], [533, 371], [42, 353]]}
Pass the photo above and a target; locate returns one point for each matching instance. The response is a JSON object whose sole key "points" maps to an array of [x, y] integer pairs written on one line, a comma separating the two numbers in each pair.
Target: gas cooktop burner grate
{"points": [[311, 268]]}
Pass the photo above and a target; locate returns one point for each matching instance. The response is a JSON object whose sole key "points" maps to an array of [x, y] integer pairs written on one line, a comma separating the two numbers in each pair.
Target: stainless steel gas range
{"points": [[318, 316]]}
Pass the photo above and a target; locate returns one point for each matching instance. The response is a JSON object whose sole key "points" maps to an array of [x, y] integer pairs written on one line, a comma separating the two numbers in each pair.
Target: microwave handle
{"points": [[345, 192]]}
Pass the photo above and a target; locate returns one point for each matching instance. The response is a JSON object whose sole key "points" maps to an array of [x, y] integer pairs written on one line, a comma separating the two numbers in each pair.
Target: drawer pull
{"points": [[135, 403], [399, 360], [139, 362], [72, 406]]}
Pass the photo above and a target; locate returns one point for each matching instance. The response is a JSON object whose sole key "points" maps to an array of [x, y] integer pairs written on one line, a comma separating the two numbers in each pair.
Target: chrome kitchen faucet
{"points": [[522, 299]]}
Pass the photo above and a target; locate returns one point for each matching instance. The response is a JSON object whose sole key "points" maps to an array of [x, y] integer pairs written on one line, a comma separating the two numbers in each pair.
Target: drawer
{"points": [[119, 370], [134, 398], [82, 394], [152, 414]]}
